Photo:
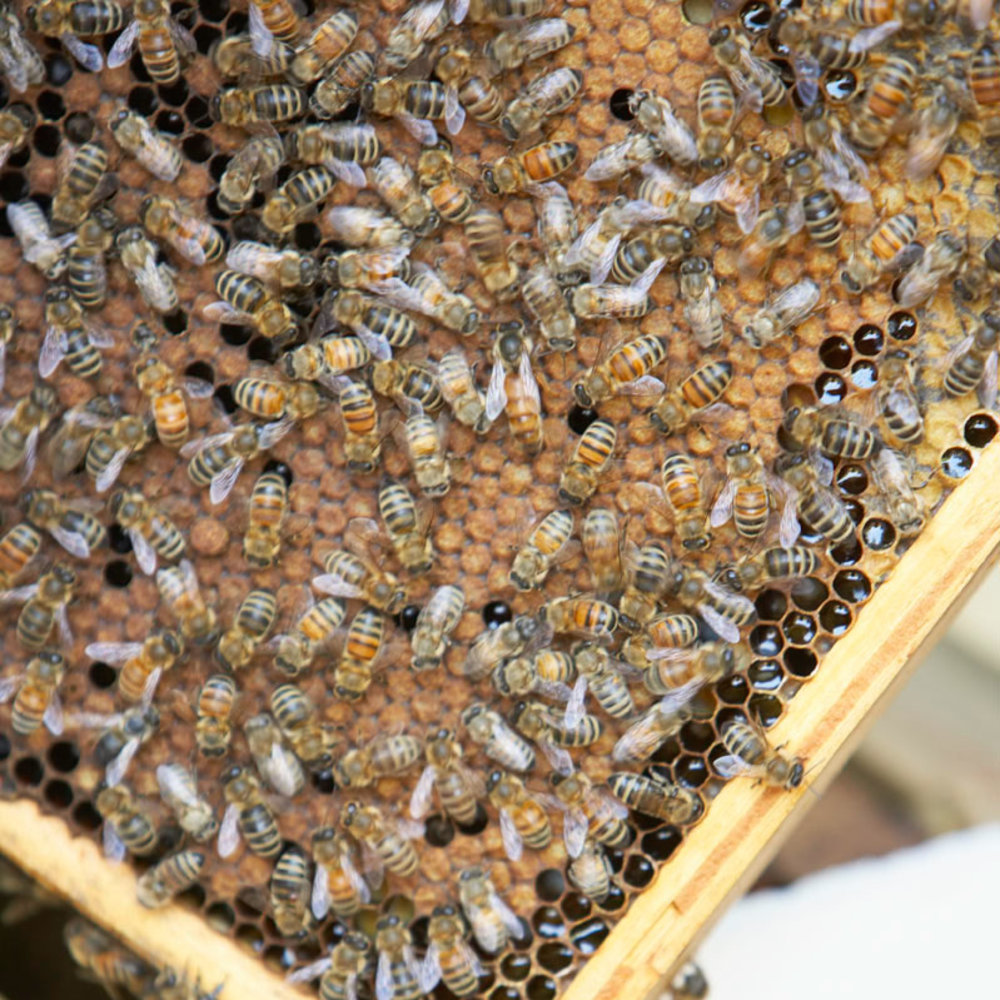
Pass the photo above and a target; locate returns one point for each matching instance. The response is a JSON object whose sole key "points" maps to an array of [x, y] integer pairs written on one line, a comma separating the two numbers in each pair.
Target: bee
{"points": [[820, 211], [245, 299], [342, 84], [590, 301], [776, 563], [940, 261], [737, 190], [213, 729], [383, 757], [324, 46], [435, 623], [668, 198], [655, 796], [527, 42], [77, 531], [244, 107], [386, 840], [834, 433], [86, 269], [459, 389], [449, 958], [359, 226], [19, 60], [179, 790], [143, 663], [277, 400], [68, 336], [599, 673], [595, 250], [154, 281], [556, 226], [889, 92], [362, 444], [492, 921], [936, 124], [590, 872], [981, 73], [648, 578], [697, 396], [253, 165], [896, 492], [418, 26], [888, 248], [337, 884], [353, 674], [289, 892], [431, 296], [458, 787], [669, 242], [236, 57], [541, 98], [396, 184], [542, 547], [397, 973], [313, 630], [513, 387], [978, 275], [547, 671], [682, 490], [814, 503], [685, 670], [603, 541], [67, 448], [247, 814], [178, 587], [127, 827], [544, 299], [438, 174], [326, 360], [253, 621], [973, 363], [217, 461], [44, 607], [21, 426], [163, 43], [299, 723], [786, 310], [716, 118], [104, 959], [342, 149], [123, 735], [173, 875], [656, 116], [553, 731], [758, 83], [83, 181], [380, 327], [36, 694], [523, 820], [618, 159], [16, 123], [522, 171], [38, 245], [465, 89], [775, 227], [484, 11], [194, 239], [150, 531], [272, 20], [499, 742], [702, 311], [493, 645], [582, 616], [267, 508], [897, 397], [413, 103], [588, 812], [749, 754], [398, 511], [276, 764], [626, 369], [18, 546], [109, 449], [591, 458], [484, 229], [746, 496]]}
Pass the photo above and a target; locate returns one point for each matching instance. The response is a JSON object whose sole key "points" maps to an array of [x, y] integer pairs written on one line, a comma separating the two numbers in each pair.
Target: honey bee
{"points": [[697, 396], [465, 89], [835, 433], [978, 274], [143, 663], [324, 46], [458, 787], [775, 227], [776, 563], [86, 269], [275, 763], [973, 363], [83, 181], [435, 623], [16, 123], [599, 673], [314, 629], [814, 504], [397, 972], [359, 226], [179, 791], [556, 226], [485, 11], [272, 20], [603, 542], [253, 165], [247, 300], [122, 737], [522, 171], [897, 398], [154, 281], [251, 624], [413, 545], [326, 360], [523, 820], [127, 827], [178, 587], [669, 242], [300, 724], [745, 497], [716, 118], [617, 159], [213, 729], [247, 814], [18, 546], [353, 674], [36, 694], [540, 550], [76, 530], [104, 959], [667, 198], [939, 262], [150, 531], [349, 576], [541, 98], [685, 670], [413, 103], [379, 326], [786, 310], [428, 294], [626, 369], [590, 872], [582, 616], [38, 246], [362, 444], [484, 229], [981, 72], [682, 490], [511, 356], [384, 838], [492, 921], [493, 645], [758, 83], [458, 386], [21, 426], [245, 107], [449, 958], [289, 892], [888, 94], [588, 812], [170, 877], [591, 458], [383, 757], [65, 451], [936, 124], [277, 400], [553, 731], [810, 184], [342, 149], [655, 796], [236, 57], [194, 239], [267, 508], [896, 492], [217, 461], [163, 43], [499, 742], [44, 607], [748, 754], [656, 116], [721, 609], [547, 671], [67, 335], [396, 184], [418, 26], [337, 883], [110, 448], [595, 250], [648, 579], [702, 311], [342, 84], [527, 42], [438, 174], [737, 190], [19, 60]]}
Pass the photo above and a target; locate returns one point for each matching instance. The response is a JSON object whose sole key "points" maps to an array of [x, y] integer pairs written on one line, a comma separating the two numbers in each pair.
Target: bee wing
{"points": [[197, 388], [789, 527], [513, 843], [712, 189], [722, 509], [430, 967], [62, 624], [8, 685], [320, 901], [645, 385], [281, 772], [229, 831], [312, 971], [575, 707], [510, 919], [72, 541], [149, 688], [722, 626], [189, 248], [356, 879], [335, 586], [385, 988], [52, 351], [273, 432], [420, 800], [496, 395], [223, 311], [173, 787], [3, 363], [420, 128], [847, 188], [120, 763], [53, 717], [748, 211], [527, 375], [868, 38], [113, 652], [460, 8], [601, 267], [88, 56], [122, 49], [375, 342], [644, 282], [986, 391], [14, 68], [114, 849], [348, 171], [30, 453], [18, 595], [607, 165], [107, 476], [261, 39], [224, 481], [731, 766], [558, 757], [807, 73], [454, 113], [575, 827]]}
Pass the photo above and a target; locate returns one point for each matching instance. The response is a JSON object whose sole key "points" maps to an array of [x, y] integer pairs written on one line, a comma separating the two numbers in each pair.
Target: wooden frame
{"points": [[719, 858]]}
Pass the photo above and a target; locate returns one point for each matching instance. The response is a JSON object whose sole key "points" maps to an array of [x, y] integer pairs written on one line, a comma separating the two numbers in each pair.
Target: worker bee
{"points": [[458, 787], [362, 444], [458, 386], [253, 621], [724, 611], [835, 433], [716, 118], [327, 43], [669, 242], [590, 872], [178, 587], [44, 607], [38, 245], [786, 310], [213, 729], [325, 360], [16, 123], [18, 546], [749, 754], [939, 262], [556, 225], [554, 730], [411, 541], [267, 508], [19, 60], [150, 531], [527, 41], [540, 550], [247, 300], [492, 921], [354, 671], [435, 623], [617, 159], [523, 819], [383, 757], [888, 94], [247, 814], [300, 724], [127, 827], [110, 448], [699, 288], [588, 812], [936, 124], [737, 190], [493, 645], [810, 184], [252, 166], [548, 672], [896, 492], [413, 103], [594, 251], [758, 83], [682, 490], [337, 883], [745, 497], [406, 382], [418, 26], [276, 764], [981, 71], [236, 57], [86, 270], [164, 43], [342, 149], [522, 171], [76, 530], [775, 227], [245, 107], [104, 959], [591, 458], [83, 181], [603, 541], [776, 563], [581, 616], [277, 400], [589, 301], [656, 116], [380, 327], [511, 356], [36, 694], [397, 972], [655, 796], [647, 581], [488, 729], [289, 892], [396, 184], [217, 461], [626, 369], [449, 958], [143, 663], [173, 875], [347, 575], [484, 229], [686, 670], [179, 790], [697, 396], [21, 426], [385, 839], [314, 629], [973, 362], [541, 98], [465, 89], [66, 449], [67, 335], [544, 299], [667, 198], [342, 84], [812, 502], [438, 174], [428, 294], [124, 733], [897, 398], [154, 281], [274, 20], [194, 239], [599, 673]]}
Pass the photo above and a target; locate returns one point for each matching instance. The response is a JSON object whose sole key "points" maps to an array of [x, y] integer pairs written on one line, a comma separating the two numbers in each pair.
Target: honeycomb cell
{"points": [[690, 771], [170, 122], [13, 186], [220, 916], [576, 906], [143, 100], [697, 11], [852, 585], [755, 17], [86, 817], [835, 353], [580, 418], [505, 993], [496, 613], [852, 479], [809, 593], [864, 375], [516, 968], [771, 605], [697, 736], [638, 871], [554, 957], [800, 662], [956, 463], [765, 675], [732, 691], [102, 675], [766, 708], [46, 140], [550, 885], [548, 922], [848, 553], [660, 844], [175, 94], [197, 148], [589, 935], [619, 104], [835, 617], [869, 340], [5, 746], [830, 389], [29, 771], [840, 85], [799, 628], [901, 325], [766, 640], [58, 70], [878, 534], [58, 794], [63, 756], [118, 573]]}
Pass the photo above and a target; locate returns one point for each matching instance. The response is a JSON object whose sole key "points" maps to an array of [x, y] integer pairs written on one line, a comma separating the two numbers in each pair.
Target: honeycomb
{"points": [[497, 491]]}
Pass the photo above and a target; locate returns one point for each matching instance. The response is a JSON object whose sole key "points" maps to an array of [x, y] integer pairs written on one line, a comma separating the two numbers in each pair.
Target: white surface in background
{"points": [[919, 924]]}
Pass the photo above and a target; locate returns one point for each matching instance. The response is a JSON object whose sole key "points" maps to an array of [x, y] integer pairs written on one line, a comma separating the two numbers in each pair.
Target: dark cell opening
{"points": [[835, 617], [580, 419], [245, 227], [218, 166], [137, 67], [478, 824], [765, 640], [830, 389], [13, 185], [86, 816], [869, 340], [4, 746], [506, 992], [878, 534], [235, 336], [175, 323], [771, 605], [221, 917], [901, 326], [64, 756], [852, 479], [755, 17], [690, 771], [765, 708], [956, 463], [46, 140], [496, 613], [200, 370], [20, 158], [731, 690], [174, 94], [799, 628], [548, 922], [809, 593], [102, 675], [142, 100], [29, 771], [205, 36], [576, 906], [197, 113], [118, 539], [553, 957], [439, 831], [697, 736], [840, 85], [848, 553], [224, 396], [58, 70], [50, 105], [118, 573], [864, 374], [273, 465], [323, 782], [170, 122], [213, 10], [619, 104], [660, 844], [800, 662], [835, 352], [79, 127], [852, 585], [588, 936], [550, 885], [407, 618], [261, 349], [639, 871], [516, 967], [980, 430], [307, 236], [765, 675], [58, 794], [197, 148]]}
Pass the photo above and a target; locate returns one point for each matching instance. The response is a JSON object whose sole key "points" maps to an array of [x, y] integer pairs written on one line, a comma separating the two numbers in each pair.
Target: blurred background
{"points": [[878, 888]]}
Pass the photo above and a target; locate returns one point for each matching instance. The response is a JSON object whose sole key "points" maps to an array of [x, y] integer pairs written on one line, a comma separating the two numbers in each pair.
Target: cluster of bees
{"points": [[609, 673]]}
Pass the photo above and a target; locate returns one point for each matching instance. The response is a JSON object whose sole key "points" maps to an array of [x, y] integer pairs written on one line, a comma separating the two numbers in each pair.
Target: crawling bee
{"points": [[22, 425], [511, 639], [154, 281], [36, 694], [671, 134], [38, 245], [382, 757], [542, 97], [435, 623], [179, 591], [699, 288], [449, 957], [656, 796], [812, 502], [540, 550], [342, 84], [77, 530], [786, 310], [746, 496], [15, 125], [489, 730], [252, 166], [591, 459], [527, 41], [275, 762], [128, 828], [69, 337], [696, 397], [194, 239], [522, 171], [523, 819], [152, 533], [737, 190], [163, 43], [44, 607], [940, 261], [626, 369], [749, 754], [492, 920], [179, 790], [757, 81]]}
